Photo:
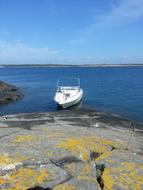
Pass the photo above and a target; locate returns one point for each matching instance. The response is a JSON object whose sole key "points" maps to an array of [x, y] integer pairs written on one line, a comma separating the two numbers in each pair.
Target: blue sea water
{"points": [[116, 90]]}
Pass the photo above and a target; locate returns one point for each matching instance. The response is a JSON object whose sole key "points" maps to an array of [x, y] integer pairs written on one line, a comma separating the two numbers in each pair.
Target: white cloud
{"points": [[10, 52], [125, 12], [18, 53]]}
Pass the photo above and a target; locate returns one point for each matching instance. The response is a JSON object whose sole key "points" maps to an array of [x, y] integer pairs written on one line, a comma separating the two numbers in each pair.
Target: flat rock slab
{"points": [[70, 150]]}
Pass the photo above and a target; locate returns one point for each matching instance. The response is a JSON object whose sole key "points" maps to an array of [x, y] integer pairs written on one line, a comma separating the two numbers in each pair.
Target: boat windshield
{"points": [[68, 83]]}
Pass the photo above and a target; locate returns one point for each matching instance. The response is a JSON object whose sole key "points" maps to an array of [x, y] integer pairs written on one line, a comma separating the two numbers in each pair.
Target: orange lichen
{"points": [[19, 158], [87, 169], [87, 178], [24, 178], [105, 155], [2, 181], [23, 138], [83, 145], [107, 179], [127, 175], [108, 142], [64, 187], [44, 175], [5, 159], [87, 173]]}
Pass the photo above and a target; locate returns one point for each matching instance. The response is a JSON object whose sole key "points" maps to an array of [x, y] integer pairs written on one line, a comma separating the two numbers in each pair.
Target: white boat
{"points": [[68, 95]]}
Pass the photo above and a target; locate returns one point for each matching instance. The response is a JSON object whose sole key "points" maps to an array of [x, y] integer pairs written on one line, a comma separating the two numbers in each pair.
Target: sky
{"points": [[71, 31]]}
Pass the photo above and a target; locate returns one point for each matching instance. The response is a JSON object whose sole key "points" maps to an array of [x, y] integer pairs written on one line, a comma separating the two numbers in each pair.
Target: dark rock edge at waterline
{"points": [[9, 93]]}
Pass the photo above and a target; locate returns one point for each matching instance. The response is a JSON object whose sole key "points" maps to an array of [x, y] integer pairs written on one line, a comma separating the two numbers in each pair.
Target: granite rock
{"points": [[9, 92]]}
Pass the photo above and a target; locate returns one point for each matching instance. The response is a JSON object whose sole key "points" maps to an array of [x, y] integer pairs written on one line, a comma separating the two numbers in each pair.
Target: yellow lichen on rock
{"points": [[64, 187], [5, 159], [107, 179], [23, 138], [87, 169], [104, 156], [83, 145], [24, 178], [2, 181], [75, 146], [87, 178], [20, 158], [8, 162], [87, 174], [44, 175], [110, 143], [127, 175]]}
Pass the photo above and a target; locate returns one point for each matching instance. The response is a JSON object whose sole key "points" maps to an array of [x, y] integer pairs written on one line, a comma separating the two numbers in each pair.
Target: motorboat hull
{"points": [[68, 104], [68, 95]]}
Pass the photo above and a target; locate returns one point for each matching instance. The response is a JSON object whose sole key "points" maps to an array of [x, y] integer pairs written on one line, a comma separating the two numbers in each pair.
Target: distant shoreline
{"points": [[71, 65]]}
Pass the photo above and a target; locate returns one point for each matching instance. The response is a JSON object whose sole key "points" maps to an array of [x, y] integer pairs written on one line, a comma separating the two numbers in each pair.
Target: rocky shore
{"points": [[70, 150], [9, 92]]}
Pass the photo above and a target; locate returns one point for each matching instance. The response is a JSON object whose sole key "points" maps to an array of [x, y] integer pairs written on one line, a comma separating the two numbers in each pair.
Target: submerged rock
{"points": [[9, 92]]}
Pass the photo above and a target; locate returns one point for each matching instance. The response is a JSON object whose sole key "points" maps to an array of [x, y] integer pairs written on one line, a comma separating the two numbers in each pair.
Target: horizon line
{"points": [[77, 65]]}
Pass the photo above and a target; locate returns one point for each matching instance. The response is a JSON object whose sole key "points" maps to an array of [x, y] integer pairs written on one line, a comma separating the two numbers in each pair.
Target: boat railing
{"points": [[60, 88], [68, 79]]}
